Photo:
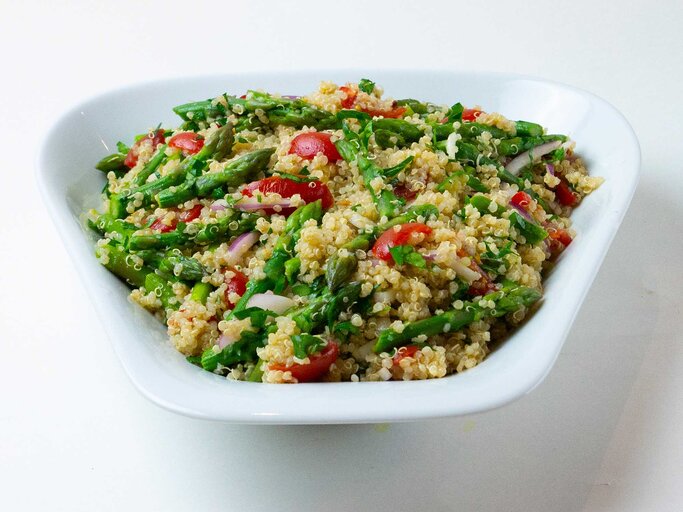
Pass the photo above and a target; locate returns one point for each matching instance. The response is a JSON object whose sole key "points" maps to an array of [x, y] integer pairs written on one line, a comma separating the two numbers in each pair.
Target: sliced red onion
{"points": [[467, 273], [240, 246], [276, 303], [289, 96], [482, 273], [550, 169], [225, 340], [218, 205], [251, 204], [522, 212], [524, 159]]}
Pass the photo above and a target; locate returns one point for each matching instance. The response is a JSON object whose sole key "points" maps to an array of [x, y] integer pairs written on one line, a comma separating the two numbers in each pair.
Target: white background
{"points": [[602, 433]]}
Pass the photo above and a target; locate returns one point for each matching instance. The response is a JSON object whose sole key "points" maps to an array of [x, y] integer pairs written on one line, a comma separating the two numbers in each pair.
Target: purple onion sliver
{"points": [[225, 340], [524, 159], [550, 168], [522, 212], [219, 205], [429, 256]]}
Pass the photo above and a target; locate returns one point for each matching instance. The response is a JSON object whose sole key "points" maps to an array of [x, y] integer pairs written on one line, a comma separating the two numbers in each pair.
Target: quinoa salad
{"points": [[339, 236]]}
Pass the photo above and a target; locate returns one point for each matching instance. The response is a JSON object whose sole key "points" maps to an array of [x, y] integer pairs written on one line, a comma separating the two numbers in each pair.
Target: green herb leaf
{"points": [[366, 85], [122, 148], [257, 316], [407, 255], [492, 261], [455, 113], [363, 117], [345, 328], [294, 177], [393, 171], [557, 155], [305, 345]]}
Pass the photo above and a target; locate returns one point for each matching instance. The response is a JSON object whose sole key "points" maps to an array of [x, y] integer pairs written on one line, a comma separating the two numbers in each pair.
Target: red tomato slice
{"points": [[471, 114], [483, 286], [404, 192], [156, 137], [560, 235], [565, 195], [403, 352], [521, 199], [237, 284], [309, 191], [191, 214], [319, 364], [308, 145], [161, 227], [393, 113], [190, 142], [404, 234], [350, 97]]}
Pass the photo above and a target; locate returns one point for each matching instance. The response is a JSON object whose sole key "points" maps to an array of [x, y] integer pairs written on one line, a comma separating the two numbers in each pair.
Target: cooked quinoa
{"points": [[339, 236]]}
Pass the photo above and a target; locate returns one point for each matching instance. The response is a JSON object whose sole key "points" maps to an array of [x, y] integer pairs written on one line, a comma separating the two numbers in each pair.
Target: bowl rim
{"points": [[314, 413]]}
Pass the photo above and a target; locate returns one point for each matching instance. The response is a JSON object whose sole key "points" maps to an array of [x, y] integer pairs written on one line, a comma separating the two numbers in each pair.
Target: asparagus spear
{"points": [[231, 225], [200, 292], [385, 201], [151, 166], [511, 298], [342, 264], [112, 162], [163, 290], [200, 110], [187, 269], [235, 173], [120, 263]]}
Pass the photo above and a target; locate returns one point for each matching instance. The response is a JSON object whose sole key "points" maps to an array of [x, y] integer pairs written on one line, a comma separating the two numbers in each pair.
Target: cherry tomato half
{"points": [[191, 214], [521, 200], [560, 235], [309, 191], [350, 99], [393, 113], [183, 216], [162, 227], [403, 234], [156, 137], [190, 142], [318, 366], [404, 192], [237, 284], [403, 352], [471, 114], [308, 145], [565, 195]]}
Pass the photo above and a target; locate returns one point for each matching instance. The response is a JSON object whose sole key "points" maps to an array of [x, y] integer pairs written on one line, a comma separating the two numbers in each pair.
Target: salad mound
{"points": [[339, 236]]}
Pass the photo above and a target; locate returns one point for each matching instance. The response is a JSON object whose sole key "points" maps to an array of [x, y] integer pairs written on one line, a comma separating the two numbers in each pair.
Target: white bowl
{"points": [[70, 185]]}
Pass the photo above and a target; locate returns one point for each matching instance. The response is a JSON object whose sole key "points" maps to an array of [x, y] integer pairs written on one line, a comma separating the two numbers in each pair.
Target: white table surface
{"points": [[602, 433]]}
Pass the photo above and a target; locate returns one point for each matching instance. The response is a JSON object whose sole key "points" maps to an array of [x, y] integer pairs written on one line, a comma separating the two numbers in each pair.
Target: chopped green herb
{"points": [[306, 344], [366, 85], [407, 255]]}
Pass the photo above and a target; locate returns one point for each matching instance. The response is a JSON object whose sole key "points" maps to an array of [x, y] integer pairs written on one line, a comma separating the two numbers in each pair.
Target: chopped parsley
{"points": [[407, 255]]}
